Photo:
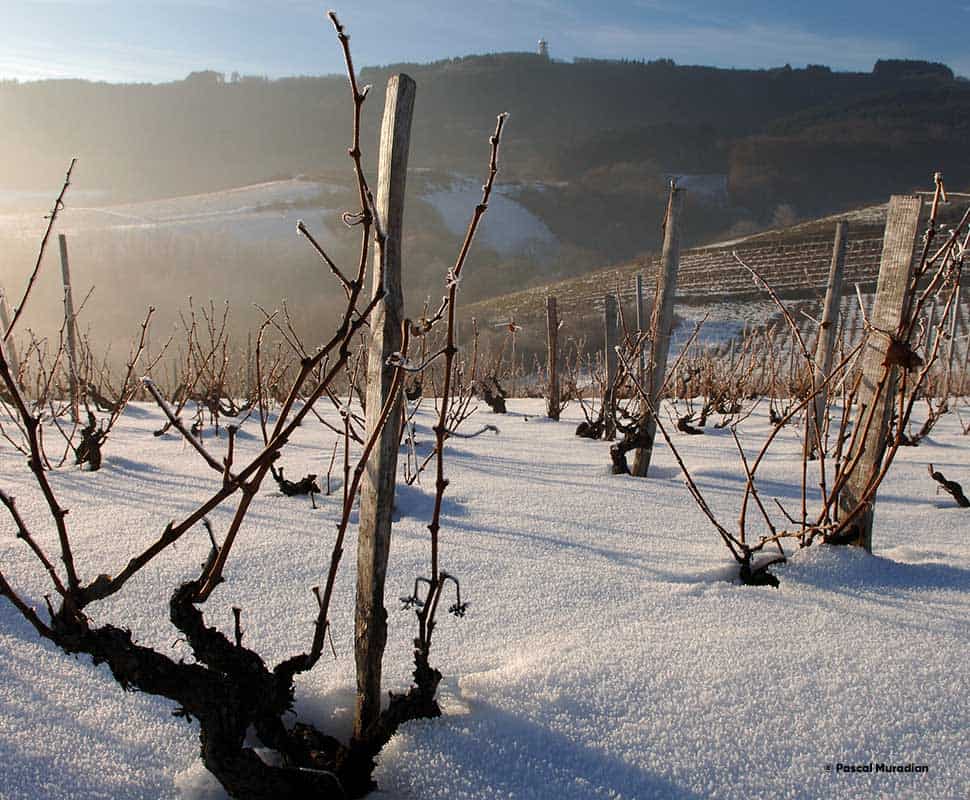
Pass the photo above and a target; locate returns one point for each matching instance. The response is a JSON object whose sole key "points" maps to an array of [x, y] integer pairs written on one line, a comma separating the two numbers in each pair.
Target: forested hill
{"points": [[811, 139]]}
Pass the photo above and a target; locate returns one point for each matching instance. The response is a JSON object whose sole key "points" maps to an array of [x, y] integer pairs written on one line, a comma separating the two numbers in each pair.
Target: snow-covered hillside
{"points": [[606, 652], [268, 211], [509, 228], [257, 212]]}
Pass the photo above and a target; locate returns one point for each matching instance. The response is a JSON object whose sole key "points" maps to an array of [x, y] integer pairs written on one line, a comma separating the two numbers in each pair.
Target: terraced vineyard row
{"points": [[794, 269], [712, 283]]}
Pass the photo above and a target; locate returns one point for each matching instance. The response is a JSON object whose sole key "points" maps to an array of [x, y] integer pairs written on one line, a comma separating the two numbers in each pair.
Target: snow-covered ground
{"points": [[606, 652], [721, 320]]}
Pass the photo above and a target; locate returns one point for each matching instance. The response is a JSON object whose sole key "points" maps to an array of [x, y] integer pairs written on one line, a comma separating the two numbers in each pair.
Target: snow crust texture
{"points": [[606, 652]]}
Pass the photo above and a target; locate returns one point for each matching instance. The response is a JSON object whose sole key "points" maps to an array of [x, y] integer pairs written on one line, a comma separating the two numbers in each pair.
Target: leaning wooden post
{"points": [[641, 327], [610, 318], [966, 358], [8, 345], [552, 333], [661, 328], [951, 345], [825, 347], [512, 330], [877, 389], [249, 365], [639, 295], [931, 324], [71, 327], [377, 485]]}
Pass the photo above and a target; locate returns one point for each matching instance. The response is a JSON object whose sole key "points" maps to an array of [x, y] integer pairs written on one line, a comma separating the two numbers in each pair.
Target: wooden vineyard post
{"points": [[377, 485], [877, 390], [931, 325], [641, 327], [249, 365], [552, 331], [9, 348], [71, 327], [825, 347], [661, 327], [951, 345], [966, 357], [513, 329], [611, 321]]}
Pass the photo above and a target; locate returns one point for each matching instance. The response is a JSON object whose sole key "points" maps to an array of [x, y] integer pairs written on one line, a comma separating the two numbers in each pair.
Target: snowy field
{"points": [[606, 652]]}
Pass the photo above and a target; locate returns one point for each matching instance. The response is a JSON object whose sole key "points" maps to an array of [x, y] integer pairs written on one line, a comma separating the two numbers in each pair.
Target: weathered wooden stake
{"points": [[249, 365], [641, 327], [610, 318], [71, 327], [552, 332], [661, 326], [951, 345], [931, 324], [377, 485], [513, 388], [877, 390], [966, 360], [9, 347], [825, 347]]}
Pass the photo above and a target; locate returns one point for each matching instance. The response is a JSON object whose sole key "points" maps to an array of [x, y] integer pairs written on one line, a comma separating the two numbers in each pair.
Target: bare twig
{"points": [[51, 219]]}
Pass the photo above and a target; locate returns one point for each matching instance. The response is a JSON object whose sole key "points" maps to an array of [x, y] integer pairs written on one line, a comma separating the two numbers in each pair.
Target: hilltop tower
{"points": [[544, 48]]}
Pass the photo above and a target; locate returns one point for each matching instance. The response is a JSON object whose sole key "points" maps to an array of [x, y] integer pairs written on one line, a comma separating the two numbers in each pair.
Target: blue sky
{"points": [[142, 40]]}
